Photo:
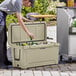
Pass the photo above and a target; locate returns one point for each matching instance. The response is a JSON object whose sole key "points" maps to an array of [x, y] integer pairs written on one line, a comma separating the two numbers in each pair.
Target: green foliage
{"points": [[51, 9], [1, 1], [10, 19], [40, 6], [74, 23]]}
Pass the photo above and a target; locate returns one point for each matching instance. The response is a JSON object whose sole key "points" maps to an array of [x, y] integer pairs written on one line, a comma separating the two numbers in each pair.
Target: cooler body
{"points": [[35, 55]]}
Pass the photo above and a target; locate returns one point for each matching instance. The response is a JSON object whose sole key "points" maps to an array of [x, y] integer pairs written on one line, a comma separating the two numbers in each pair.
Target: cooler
{"points": [[31, 53]]}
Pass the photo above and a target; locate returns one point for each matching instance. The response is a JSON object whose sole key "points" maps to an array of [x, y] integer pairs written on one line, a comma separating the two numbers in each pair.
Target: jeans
{"points": [[3, 38]]}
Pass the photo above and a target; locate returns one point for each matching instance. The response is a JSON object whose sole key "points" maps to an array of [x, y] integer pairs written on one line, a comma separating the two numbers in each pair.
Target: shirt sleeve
{"points": [[17, 5]]}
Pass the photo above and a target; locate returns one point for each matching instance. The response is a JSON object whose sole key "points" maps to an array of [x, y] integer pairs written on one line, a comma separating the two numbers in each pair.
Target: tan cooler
{"points": [[31, 53]]}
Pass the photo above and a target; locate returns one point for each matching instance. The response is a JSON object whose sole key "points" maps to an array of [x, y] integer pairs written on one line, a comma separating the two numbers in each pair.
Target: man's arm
{"points": [[20, 20]]}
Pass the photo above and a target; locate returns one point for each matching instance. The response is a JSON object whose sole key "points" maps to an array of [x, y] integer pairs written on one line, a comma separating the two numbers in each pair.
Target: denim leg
{"points": [[5, 45], [3, 38], [1, 48]]}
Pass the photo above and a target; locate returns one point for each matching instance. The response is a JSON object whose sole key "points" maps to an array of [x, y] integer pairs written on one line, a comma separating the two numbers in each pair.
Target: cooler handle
{"points": [[17, 59]]}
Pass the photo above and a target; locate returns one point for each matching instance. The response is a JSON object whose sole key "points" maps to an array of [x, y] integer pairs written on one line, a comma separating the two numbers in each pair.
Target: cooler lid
{"points": [[16, 34]]}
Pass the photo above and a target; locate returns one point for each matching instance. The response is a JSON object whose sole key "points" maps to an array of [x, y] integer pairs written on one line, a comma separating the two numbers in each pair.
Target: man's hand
{"points": [[31, 35]]}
